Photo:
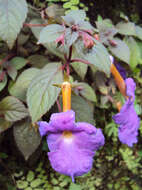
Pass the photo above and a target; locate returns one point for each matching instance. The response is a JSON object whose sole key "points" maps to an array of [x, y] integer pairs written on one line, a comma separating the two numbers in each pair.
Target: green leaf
{"points": [[18, 62], [26, 138], [138, 109], [74, 186], [4, 125], [126, 28], [52, 47], [75, 2], [41, 93], [83, 109], [22, 184], [3, 83], [36, 183], [12, 109], [97, 56], [121, 50], [3, 155], [138, 32], [70, 37], [36, 30], [106, 30], [134, 52], [19, 88], [74, 16], [100, 81], [12, 72], [67, 5], [30, 176], [87, 91], [37, 60], [80, 68], [12, 13], [50, 33]]}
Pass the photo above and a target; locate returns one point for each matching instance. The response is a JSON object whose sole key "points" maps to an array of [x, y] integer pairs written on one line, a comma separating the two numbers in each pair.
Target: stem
{"points": [[68, 69], [34, 25], [70, 54], [58, 105], [81, 60], [68, 60], [6, 58], [119, 80], [66, 96], [118, 105]]}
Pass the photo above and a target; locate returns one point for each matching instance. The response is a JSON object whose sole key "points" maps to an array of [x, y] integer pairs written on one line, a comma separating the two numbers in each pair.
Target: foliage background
{"points": [[115, 166]]}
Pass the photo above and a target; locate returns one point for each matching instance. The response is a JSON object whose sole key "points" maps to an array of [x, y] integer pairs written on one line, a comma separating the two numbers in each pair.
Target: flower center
{"points": [[67, 134]]}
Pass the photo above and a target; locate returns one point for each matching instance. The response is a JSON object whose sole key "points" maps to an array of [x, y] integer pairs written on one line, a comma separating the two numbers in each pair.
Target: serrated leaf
{"points": [[41, 93], [18, 62], [26, 138], [84, 25], [19, 88], [12, 109], [74, 17], [3, 83], [83, 109], [80, 68], [12, 13], [4, 125], [126, 28], [70, 37], [52, 47], [50, 33], [106, 30], [121, 50], [134, 52], [97, 56], [87, 92]]}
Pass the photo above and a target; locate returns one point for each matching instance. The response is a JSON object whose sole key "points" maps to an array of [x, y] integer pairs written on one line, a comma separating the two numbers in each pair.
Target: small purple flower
{"points": [[127, 118], [72, 145]]}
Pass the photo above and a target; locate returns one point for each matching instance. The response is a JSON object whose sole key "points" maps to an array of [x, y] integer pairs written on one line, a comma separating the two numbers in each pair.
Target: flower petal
{"points": [[87, 127], [63, 121], [54, 141], [44, 128], [130, 88], [127, 118], [90, 137], [71, 161]]}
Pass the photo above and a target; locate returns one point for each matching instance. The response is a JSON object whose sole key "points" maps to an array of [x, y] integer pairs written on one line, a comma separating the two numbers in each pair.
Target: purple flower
{"points": [[121, 70], [72, 145], [127, 118]]}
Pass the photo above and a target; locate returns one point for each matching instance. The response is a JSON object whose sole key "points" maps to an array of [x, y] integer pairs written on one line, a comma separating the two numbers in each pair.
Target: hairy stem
{"points": [[81, 60]]}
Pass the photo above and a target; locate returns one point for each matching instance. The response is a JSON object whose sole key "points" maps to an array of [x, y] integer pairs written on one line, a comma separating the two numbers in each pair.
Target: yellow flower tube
{"points": [[66, 96], [119, 80]]}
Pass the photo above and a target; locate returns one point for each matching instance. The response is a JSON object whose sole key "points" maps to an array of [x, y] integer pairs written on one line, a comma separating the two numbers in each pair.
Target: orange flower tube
{"points": [[66, 96], [119, 80]]}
